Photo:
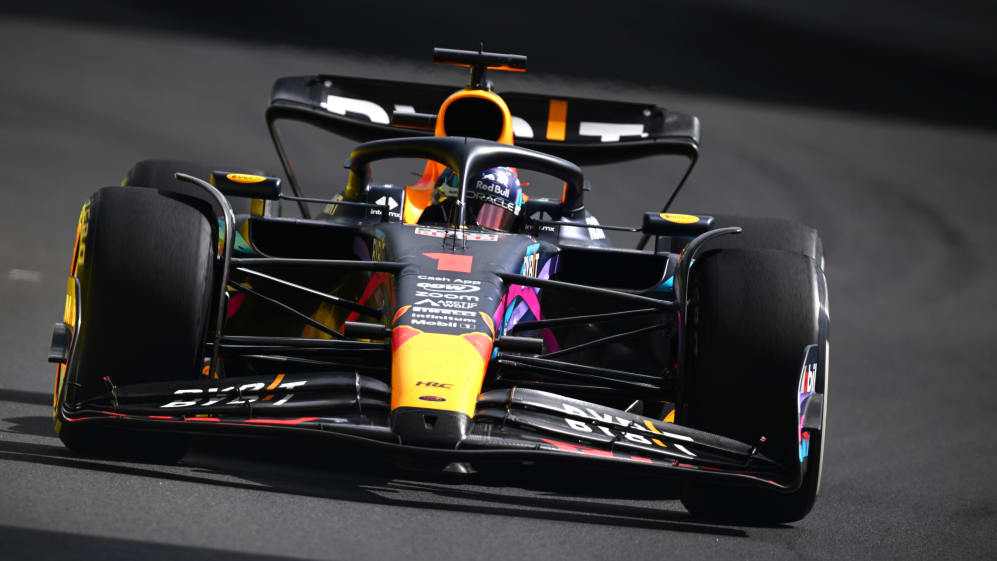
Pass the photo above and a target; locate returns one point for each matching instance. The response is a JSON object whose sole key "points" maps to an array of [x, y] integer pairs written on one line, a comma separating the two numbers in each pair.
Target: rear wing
{"points": [[585, 131]]}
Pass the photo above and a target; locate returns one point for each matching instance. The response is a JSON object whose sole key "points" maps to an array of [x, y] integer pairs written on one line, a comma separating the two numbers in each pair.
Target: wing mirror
{"points": [[246, 185], [671, 224]]}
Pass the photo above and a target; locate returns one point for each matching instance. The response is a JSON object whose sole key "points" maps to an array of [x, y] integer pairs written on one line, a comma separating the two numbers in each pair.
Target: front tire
{"points": [[752, 315], [763, 233], [158, 174], [145, 263]]}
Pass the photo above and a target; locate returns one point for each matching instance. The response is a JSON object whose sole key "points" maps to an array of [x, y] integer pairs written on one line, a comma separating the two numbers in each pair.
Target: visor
{"points": [[493, 217]]}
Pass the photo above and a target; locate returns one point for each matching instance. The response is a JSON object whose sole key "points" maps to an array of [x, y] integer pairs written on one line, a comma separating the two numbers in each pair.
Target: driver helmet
{"points": [[494, 196]]}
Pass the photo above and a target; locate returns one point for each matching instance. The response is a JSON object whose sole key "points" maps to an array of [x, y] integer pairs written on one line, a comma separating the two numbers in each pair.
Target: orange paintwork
{"points": [[401, 311], [488, 321], [401, 334], [276, 382], [505, 67], [438, 365], [556, 117], [420, 194], [505, 137]]}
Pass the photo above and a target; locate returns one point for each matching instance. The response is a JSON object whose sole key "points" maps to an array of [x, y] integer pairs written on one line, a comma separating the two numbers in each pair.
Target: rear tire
{"points": [[158, 174], [752, 314], [146, 268]]}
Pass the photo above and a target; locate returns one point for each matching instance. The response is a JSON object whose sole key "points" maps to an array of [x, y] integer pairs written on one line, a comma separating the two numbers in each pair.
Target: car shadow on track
{"points": [[34, 426], [26, 397], [28, 543], [280, 467]]}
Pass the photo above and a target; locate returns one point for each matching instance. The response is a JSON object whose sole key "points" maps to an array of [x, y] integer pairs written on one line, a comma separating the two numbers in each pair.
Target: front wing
{"points": [[510, 425]]}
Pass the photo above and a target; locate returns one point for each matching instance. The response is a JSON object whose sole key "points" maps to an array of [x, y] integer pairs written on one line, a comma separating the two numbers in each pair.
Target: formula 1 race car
{"points": [[455, 321]]}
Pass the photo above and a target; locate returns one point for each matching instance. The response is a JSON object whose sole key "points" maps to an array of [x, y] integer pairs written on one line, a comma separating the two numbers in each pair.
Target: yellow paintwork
{"points": [[70, 310], [650, 426], [69, 313], [245, 178], [441, 366], [679, 218]]}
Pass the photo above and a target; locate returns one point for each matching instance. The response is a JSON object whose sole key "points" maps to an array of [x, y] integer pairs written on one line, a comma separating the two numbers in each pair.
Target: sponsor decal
{"points": [[646, 433], [679, 218], [492, 199], [432, 316], [432, 398], [390, 203], [446, 295], [493, 184], [453, 288], [432, 232], [345, 105], [470, 236], [531, 260], [81, 237], [434, 321], [452, 262], [444, 312], [582, 427], [448, 304], [447, 279], [478, 236], [554, 128], [430, 384], [592, 414], [245, 178], [807, 387], [595, 233], [610, 132], [198, 397]]}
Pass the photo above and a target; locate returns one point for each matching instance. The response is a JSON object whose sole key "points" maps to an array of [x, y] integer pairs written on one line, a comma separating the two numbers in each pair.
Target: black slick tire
{"points": [[158, 174], [752, 314], [145, 264], [763, 233]]}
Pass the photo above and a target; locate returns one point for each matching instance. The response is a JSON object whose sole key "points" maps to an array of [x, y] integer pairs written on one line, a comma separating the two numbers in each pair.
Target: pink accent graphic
{"points": [[376, 280], [528, 302], [234, 303]]}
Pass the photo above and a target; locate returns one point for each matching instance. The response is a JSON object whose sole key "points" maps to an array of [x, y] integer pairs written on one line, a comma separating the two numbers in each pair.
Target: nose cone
{"points": [[435, 382]]}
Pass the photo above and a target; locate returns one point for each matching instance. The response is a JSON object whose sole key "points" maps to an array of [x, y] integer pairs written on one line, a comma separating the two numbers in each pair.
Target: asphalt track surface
{"points": [[906, 212]]}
